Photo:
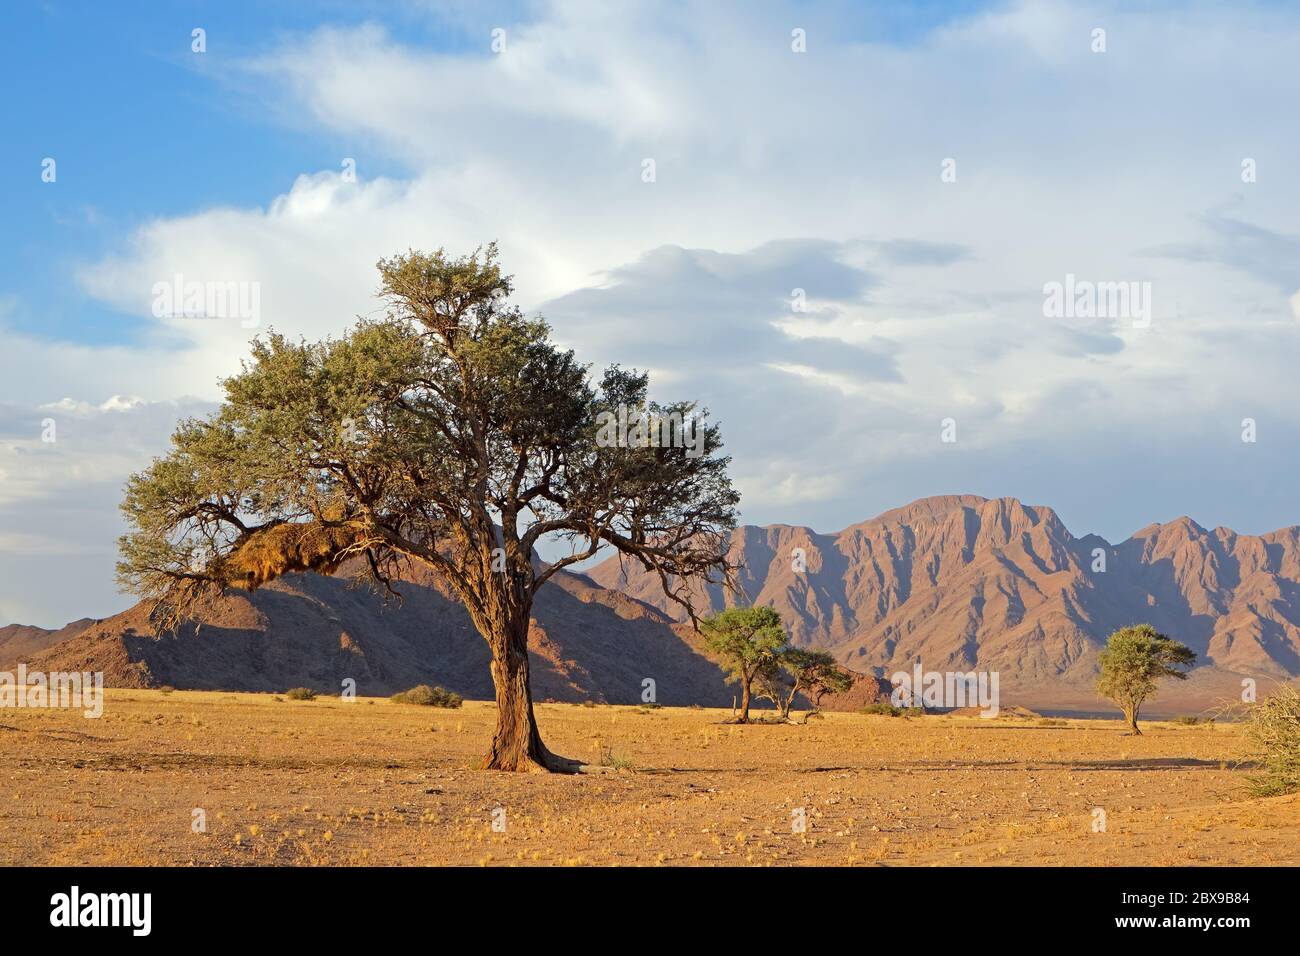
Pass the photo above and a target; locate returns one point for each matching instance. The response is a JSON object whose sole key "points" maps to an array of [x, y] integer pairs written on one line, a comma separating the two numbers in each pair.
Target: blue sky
{"points": [[775, 170], [141, 127]]}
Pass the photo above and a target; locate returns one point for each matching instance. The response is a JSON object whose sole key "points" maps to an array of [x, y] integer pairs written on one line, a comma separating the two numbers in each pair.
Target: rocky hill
{"points": [[587, 643], [20, 642]]}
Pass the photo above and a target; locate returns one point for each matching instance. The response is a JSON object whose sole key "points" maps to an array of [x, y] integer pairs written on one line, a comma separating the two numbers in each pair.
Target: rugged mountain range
{"points": [[956, 582], [963, 582]]}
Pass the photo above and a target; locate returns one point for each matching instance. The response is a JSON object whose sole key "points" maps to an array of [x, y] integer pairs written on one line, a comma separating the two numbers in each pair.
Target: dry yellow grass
{"points": [[328, 782]]}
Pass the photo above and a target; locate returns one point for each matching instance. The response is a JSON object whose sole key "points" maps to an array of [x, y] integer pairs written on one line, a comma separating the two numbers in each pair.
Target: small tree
{"points": [[773, 682], [453, 433], [823, 676], [1134, 659], [795, 671], [748, 639]]}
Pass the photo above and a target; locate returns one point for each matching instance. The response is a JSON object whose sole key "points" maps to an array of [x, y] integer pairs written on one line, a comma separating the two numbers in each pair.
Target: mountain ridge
{"points": [[959, 582], [963, 581]]}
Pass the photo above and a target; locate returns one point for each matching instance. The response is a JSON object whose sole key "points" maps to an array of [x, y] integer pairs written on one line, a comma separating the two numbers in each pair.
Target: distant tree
{"points": [[823, 676], [748, 639], [773, 682], [794, 671], [1132, 662], [450, 433]]}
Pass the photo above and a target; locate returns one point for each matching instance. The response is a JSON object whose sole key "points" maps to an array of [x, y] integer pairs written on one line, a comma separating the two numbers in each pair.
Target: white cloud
{"points": [[62, 467]]}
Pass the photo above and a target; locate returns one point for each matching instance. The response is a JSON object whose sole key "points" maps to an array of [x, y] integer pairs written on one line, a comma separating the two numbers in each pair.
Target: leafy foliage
{"points": [[427, 696], [745, 637], [446, 428], [816, 674], [882, 708], [1133, 661], [748, 639], [753, 646], [812, 673]]}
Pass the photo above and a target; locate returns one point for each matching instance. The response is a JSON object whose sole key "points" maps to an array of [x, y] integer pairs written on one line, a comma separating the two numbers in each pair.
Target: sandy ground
{"points": [[331, 782]]}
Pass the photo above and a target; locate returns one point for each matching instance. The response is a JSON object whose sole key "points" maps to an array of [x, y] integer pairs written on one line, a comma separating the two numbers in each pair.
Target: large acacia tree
{"points": [[453, 433]]}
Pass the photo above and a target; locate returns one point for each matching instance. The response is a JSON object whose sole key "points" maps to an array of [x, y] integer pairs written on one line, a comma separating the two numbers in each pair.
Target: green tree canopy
{"points": [[1134, 660], [816, 674], [798, 671], [749, 640]]}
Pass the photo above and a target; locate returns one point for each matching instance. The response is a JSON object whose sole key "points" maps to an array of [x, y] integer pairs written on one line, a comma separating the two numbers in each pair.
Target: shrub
{"points": [[166, 689], [1273, 728], [1191, 720], [882, 708], [427, 696], [300, 693]]}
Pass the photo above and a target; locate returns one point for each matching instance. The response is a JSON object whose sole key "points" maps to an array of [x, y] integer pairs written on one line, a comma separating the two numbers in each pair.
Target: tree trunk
{"points": [[744, 702], [789, 702], [516, 744], [1131, 715]]}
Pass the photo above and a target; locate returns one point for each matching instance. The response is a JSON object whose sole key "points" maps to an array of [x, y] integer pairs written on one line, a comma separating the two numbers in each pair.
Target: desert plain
{"points": [[210, 778]]}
